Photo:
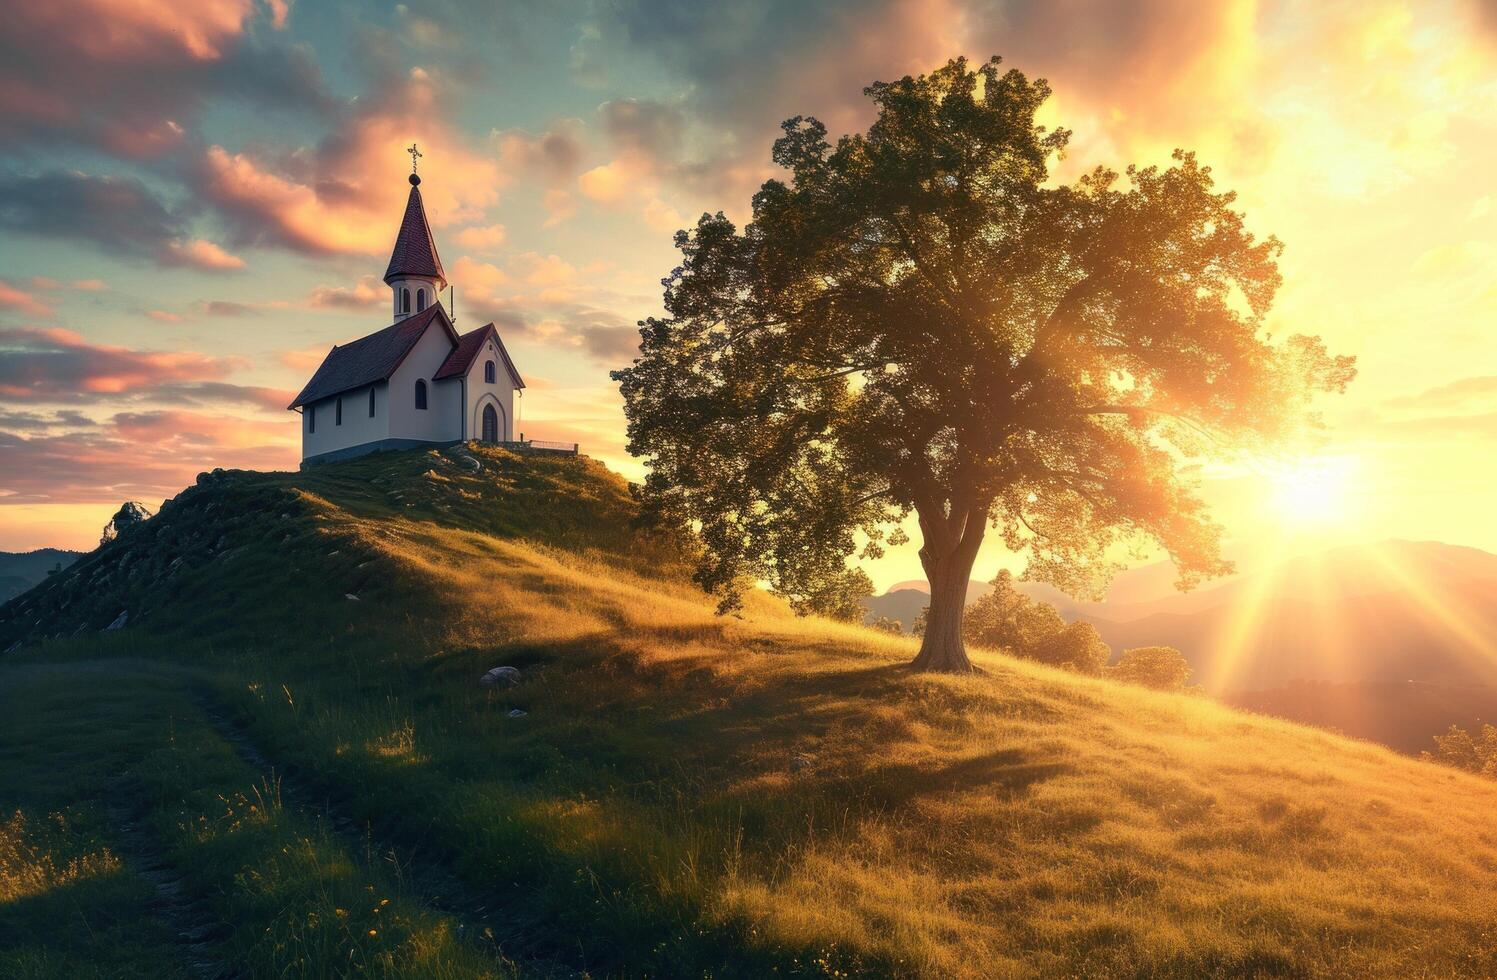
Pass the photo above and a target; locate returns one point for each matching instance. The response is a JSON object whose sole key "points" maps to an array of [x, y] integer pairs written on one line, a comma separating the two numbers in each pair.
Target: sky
{"points": [[197, 201]]}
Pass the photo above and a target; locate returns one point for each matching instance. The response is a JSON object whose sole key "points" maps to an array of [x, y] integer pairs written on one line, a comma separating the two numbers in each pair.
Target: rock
{"points": [[799, 763], [469, 463], [500, 675], [350, 597], [516, 713], [119, 621], [131, 513]]}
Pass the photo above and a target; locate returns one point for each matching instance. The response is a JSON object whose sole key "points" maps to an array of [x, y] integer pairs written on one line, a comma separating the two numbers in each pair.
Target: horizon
{"points": [[180, 253]]}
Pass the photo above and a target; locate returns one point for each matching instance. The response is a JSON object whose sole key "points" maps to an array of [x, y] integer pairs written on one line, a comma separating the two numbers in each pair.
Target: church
{"points": [[417, 382]]}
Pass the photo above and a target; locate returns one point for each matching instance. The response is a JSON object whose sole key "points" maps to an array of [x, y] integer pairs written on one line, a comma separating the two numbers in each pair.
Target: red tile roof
{"points": [[369, 359], [468, 346], [415, 253]]}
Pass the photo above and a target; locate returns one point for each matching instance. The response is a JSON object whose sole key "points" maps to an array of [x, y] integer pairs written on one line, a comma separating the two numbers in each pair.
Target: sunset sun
{"points": [[1311, 492]]}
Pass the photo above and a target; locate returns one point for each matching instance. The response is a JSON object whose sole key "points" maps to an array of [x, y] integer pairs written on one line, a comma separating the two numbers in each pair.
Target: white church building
{"points": [[417, 382]]}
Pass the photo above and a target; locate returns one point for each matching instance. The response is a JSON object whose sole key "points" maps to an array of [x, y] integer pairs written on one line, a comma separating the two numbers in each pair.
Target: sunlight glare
{"points": [[1311, 491]]}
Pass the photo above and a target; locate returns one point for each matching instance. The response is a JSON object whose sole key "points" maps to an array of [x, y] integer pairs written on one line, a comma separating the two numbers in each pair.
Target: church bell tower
{"points": [[415, 275]]}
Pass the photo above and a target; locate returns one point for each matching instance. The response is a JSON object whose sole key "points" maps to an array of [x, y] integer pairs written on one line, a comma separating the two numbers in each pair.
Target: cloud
{"points": [[118, 215], [201, 253], [58, 365], [12, 298], [1456, 394], [306, 359], [23, 421], [137, 455], [131, 78], [367, 293], [223, 307], [636, 126], [221, 393], [554, 155], [346, 195], [482, 239]]}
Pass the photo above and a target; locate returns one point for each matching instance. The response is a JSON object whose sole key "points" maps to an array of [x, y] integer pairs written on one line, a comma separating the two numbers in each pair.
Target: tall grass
{"points": [[692, 795]]}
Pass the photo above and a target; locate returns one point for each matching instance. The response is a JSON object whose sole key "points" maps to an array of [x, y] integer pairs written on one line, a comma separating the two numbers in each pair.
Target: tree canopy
{"points": [[918, 319]]}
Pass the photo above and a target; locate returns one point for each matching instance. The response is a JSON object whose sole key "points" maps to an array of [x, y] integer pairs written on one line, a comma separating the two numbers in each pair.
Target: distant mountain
{"points": [[1392, 612], [1404, 715], [19, 571]]}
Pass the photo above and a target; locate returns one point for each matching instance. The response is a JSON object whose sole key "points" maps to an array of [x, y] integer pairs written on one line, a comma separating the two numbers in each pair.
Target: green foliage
{"points": [[838, 594], [918, 318], [1162, 668], [1007, 619], [1460, 749], [887, 624]]}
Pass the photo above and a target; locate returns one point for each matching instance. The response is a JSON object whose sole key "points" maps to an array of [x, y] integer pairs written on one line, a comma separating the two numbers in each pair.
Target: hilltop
{"points": [[289, 723]]}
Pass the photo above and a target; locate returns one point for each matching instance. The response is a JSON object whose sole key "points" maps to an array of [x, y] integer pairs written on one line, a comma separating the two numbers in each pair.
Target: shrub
{"points": [[886, 624], [1460, 749], [1007, 619], [1162, 668]]}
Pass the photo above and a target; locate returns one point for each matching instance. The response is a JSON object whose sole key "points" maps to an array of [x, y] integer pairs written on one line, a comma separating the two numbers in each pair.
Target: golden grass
{"points": [[693, 794], [1027, 820]]}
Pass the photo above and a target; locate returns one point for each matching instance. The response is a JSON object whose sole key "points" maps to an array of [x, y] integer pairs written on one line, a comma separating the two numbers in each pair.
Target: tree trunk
{"points": [[948, 569]]}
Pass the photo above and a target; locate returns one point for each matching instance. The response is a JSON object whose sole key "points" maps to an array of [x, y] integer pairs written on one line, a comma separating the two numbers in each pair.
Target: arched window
{"points": [[371, 403], [488, 371], [420, 300], [420, 394], [490, 424], [338, 412], [405, 301], [311, 418]]}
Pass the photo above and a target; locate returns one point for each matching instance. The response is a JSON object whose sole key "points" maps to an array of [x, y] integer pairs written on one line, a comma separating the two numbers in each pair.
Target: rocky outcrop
{"points": [[132, 513]]}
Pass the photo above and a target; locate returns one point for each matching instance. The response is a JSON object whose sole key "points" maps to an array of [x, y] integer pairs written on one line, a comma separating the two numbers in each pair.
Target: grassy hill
{"points": [[284, 761], [19, 571]]}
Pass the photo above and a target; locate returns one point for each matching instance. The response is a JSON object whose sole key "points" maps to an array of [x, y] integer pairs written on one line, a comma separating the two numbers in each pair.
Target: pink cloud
{"points": [[348, 196], [55, 364], [12, 298], [367, 293], [202, 254], [138, 455]]}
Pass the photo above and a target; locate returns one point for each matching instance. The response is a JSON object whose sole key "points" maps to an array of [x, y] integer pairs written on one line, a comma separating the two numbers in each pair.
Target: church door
{"points": [[490, 424]]}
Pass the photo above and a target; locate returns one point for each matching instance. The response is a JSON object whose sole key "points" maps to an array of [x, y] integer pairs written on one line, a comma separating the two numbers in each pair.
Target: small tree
{"points": [[1162, 668], [887, 624], [1077, 647], [836, 594], [1009, 620], [918, 319], [1458, 748]]}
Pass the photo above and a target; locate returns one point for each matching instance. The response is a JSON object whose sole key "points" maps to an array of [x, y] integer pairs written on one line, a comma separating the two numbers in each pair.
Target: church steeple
{"points": [[415, 271]]}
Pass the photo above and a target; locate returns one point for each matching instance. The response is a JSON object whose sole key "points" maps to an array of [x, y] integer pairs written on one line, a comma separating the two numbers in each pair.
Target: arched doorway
{"points": [[490, 424]]}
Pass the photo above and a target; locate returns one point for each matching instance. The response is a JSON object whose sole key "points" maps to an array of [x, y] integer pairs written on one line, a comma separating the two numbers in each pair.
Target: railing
{"points": [[541, 446]]}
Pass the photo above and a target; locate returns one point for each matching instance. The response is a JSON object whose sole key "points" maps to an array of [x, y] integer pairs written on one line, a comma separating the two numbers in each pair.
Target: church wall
{"points": [[501, 391], [357, 426], [442, 419]]}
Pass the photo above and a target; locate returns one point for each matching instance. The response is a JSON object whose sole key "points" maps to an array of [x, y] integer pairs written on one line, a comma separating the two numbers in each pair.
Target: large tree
{"points": [[918, 319]]}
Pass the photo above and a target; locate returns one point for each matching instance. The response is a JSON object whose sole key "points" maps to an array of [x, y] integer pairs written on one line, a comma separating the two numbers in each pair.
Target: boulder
{"points": [[130, 514], [500, 675]]}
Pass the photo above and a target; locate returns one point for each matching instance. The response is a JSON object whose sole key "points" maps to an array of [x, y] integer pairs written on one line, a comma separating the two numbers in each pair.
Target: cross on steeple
{"points": [[415, 155]]}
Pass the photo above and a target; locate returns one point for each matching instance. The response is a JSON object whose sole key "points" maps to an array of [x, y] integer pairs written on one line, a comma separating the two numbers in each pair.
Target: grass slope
{"points": [[685, 795]]}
